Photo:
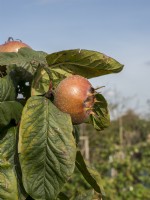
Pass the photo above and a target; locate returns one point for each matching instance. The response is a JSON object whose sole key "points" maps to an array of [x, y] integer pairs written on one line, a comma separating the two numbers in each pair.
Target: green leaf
{"points": [[101, 119], [47, 148], [40, 83], [7, 89], [83, 62], [8, 181], [22, 64], [8, 148], [8, 144], [90, 174], [9, 110]]}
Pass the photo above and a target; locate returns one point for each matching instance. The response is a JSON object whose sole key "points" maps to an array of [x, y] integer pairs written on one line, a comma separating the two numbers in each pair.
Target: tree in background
{"points": [[123, 163], [124, 166]]}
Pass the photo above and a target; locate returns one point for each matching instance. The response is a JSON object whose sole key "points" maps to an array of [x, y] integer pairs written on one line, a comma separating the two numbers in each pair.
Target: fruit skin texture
{"points": [[12, 45], [75, 96]]}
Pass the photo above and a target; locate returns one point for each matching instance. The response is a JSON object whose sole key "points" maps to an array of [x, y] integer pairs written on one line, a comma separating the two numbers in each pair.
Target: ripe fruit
{"points": [[75, 96], [12, 45]]}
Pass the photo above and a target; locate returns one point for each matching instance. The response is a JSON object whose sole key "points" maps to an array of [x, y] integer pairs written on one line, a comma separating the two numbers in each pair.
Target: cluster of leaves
{"points": [[38, 146]]}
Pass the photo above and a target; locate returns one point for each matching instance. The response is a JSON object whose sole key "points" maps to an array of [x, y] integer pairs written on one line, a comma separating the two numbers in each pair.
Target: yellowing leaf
{"points": [[47, 148]]}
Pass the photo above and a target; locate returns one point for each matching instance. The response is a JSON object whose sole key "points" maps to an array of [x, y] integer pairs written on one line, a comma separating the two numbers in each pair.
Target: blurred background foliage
{"points": [[120, 153]]}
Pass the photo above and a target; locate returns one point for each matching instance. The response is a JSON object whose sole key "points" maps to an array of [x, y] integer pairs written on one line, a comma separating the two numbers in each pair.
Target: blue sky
{"points": [[118, 28]]}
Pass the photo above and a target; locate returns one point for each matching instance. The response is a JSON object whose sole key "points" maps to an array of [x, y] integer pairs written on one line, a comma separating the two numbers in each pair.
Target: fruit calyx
{"points": [[75, 96], [12, 45]]}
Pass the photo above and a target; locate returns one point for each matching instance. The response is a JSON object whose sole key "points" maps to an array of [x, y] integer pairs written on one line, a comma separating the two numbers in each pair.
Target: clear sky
{"points": [[118, 28]]}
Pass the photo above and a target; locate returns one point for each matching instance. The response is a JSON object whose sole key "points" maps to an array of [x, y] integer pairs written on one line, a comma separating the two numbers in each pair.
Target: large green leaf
{"points": [[9, 110], [8, 181], [7, 89], [101, 119], [22, 64], [8, 148], [47, 148], [90, 174], [83, 62]]}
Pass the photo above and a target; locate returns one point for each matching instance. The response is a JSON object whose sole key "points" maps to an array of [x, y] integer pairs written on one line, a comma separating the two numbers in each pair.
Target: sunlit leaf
{"points": [[83, 62], [47, 148], [8, 181], [40, 83]]}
